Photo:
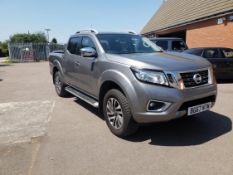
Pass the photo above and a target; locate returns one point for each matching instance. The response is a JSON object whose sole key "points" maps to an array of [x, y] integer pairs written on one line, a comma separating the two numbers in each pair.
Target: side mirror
{"points": [[88, 52]]}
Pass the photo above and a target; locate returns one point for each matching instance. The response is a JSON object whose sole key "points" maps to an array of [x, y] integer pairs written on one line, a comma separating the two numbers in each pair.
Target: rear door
{"points": [[219, 62], [72, 55]]}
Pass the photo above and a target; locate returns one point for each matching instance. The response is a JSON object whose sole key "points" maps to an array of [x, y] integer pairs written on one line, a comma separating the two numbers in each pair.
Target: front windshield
{"points": [[126, 44]]}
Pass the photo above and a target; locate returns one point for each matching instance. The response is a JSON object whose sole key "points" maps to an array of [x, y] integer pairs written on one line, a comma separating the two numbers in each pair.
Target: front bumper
{"points": [[180, 101]]}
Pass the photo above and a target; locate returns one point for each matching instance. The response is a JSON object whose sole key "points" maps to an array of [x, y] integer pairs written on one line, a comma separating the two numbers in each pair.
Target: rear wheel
{"points": [[118, 115], [59, 85]]}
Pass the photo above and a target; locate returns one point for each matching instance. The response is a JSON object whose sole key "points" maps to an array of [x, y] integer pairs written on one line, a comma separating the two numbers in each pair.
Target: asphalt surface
{"points": [[71, 138]]}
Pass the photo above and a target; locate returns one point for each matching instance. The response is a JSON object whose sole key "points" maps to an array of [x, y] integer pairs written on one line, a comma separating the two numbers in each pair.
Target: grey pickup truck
{"points": [[131, 80]]}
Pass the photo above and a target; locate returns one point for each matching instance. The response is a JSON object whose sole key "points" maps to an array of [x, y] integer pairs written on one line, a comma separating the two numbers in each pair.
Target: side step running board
{"points": [[83, 97]]}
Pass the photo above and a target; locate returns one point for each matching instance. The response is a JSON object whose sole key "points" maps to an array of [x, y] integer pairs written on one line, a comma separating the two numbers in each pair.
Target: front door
{"points": [[85, 72]]}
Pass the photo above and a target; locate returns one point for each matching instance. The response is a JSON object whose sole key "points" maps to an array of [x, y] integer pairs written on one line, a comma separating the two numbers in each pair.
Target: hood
{"points": [[166, 61]]}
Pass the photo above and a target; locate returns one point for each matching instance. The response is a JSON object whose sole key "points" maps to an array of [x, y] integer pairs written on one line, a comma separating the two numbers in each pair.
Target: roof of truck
{"points": [[93, 31]]}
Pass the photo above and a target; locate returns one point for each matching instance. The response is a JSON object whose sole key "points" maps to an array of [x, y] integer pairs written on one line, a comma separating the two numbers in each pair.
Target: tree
{"points": [[4, 48], [54, 41], [1, 54], [28, 38]]}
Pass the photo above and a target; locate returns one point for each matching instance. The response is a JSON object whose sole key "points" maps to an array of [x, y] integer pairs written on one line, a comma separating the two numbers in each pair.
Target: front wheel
{"points": [[118, 115], [59, 85]]}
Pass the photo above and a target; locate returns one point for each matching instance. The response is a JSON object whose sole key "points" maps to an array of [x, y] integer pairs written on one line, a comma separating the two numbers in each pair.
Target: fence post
{"points": [[21, 54], [9, 50], [47, 51]]}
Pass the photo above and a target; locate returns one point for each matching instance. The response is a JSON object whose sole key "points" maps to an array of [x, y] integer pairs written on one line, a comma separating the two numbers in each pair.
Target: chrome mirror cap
{"points": [[88, 52]]}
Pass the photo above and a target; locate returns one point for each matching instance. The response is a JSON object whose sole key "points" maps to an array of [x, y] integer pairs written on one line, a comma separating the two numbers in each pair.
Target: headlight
{"points": [[155, 77]]}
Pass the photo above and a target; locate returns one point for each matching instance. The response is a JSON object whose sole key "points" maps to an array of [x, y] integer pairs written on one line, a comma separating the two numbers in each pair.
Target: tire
{"points": [[118, 115], [59, 85]]}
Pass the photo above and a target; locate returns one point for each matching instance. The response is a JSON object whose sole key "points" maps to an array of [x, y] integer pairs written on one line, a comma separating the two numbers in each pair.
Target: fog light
{"points": [[157, 106]]}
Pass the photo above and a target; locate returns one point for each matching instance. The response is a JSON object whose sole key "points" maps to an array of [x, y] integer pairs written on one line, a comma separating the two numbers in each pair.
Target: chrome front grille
{"points": [[195, 79]]}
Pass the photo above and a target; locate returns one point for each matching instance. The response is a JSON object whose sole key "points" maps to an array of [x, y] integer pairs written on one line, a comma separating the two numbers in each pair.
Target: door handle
{"points": [[77, 63]]}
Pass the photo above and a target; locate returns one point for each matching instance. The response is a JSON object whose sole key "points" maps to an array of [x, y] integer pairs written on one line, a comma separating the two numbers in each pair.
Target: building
{"points": [[202, 23]]}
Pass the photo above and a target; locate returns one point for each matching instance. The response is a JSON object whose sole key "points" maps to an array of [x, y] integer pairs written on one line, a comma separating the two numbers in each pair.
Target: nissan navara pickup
{"points": [[131, 80]]}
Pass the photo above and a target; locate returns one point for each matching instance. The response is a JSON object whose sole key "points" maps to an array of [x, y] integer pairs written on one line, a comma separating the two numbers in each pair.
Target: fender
{"points": [[57, 64], [121, 80]]}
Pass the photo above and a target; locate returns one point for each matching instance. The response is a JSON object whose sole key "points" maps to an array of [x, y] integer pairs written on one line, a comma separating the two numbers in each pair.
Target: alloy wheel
{"points": [[114, 113], [58, 83]]}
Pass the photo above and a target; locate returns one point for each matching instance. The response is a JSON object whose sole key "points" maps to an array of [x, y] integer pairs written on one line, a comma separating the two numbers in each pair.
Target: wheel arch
{"points": [[57, 67], [105, 87], [115, 80]]}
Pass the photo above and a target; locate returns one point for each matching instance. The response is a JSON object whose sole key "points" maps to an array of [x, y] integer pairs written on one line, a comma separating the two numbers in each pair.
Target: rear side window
{"points": [[74, 45], [211, 53], [162, 44], [227, 53], [178, 45], [87, 42]]}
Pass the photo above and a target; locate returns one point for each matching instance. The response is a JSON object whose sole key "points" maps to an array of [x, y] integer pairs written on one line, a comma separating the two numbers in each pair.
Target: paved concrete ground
{"points": [[77, 140], [21, 121]]}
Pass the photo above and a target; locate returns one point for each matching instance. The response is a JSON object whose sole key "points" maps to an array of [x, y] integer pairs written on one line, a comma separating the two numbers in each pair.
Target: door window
{"points": [[87, 42], [162, 44], [227, 53], [74, 45], [211, 53], [178, 46]]}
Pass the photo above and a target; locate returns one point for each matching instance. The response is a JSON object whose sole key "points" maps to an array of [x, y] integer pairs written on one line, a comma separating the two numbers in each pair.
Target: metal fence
{"points": [[30, 52]]}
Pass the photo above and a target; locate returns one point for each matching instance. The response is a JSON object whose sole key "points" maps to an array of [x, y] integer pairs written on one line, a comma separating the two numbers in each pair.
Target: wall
{"points": [[210, 34]]}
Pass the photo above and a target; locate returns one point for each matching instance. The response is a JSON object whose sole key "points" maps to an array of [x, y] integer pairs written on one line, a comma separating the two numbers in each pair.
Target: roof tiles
{"points": [[176, 12]]}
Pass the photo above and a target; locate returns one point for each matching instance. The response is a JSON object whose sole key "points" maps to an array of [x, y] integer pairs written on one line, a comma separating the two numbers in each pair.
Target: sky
{"points": [[65, 17]]}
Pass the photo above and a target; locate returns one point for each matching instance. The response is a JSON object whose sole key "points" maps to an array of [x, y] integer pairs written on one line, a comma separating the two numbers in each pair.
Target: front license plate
{"points": [[199, 108]]}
